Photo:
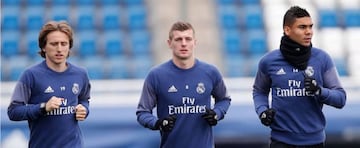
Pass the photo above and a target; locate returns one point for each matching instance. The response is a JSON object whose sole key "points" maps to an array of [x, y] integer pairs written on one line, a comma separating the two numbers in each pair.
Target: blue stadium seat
{"points": [[228, 16], [351, 18], [250, 2], [256, 41], [35, 17], [236, 65], [85, 2], [232, 41], [95, 66], [61, 3], [10, 43], [133, 2], [6, 3], [140, 42], [61, 12], [252, 17], [118, 67], [87, 43], [111, 17], [341, 66], [4, 69], [10, 19], [110, 2], [31, 41], [252, 63], [328, 18], [85, 17], [17, 64], [137, 18], [113, 43], [141, 64], [35, 2]]}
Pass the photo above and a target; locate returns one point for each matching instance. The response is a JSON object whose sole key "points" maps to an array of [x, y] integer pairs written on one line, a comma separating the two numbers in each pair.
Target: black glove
{"points": [[166, 124], [267, 116], [210, 116], [311, 86]]}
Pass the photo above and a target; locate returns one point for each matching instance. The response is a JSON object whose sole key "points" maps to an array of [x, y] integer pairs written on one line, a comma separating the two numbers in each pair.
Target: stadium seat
{"points": [[250, 2], [85, 2], [325, 4], [354, 62], [111, 17], [328, 18], [351, 40], [10, 43], [31, 43], [236, 65], [228, 16], [61, 3], [141, 64], [35, 2], [113, 43], [256, 41], [332, 41], [61, 12], [136, 18], [140, 42], [252, 17], [341, 66], [232, 41], [109, 2], [34, 16], [95, 67], [10, 19], [351, 17], [87, 43], [118, 67], [85, 17], [17, 64], [133, 2], [6, 3], [349, 4]]}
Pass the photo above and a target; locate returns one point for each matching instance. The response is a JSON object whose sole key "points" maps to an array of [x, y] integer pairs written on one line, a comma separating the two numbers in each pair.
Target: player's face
{"points": [[182, 44], [57, 48], [301, 31]]}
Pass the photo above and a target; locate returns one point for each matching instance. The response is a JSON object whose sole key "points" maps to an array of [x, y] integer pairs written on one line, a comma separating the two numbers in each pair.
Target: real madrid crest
{"points": [[200, 88], [75, 88], [309, 71]]}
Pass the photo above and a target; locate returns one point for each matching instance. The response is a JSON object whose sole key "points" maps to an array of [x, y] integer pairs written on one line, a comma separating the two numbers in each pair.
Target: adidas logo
{"points": [[172, 89], [48, 90], [281, 72]]}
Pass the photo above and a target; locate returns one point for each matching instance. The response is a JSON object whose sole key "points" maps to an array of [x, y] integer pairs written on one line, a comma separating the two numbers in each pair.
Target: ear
{"points": [[287, 30], [169, 42]]}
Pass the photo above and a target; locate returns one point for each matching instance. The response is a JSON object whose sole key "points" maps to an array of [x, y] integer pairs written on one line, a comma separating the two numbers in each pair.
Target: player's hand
{"points": [[210, 116], [267, 116], [166, 124], [311, 86], [53, 103], [80, 112]]}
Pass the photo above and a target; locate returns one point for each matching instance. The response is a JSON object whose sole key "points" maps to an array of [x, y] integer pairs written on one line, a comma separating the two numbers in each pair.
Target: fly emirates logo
{"points": [[63, 109], [188, 107], [294, 90]]}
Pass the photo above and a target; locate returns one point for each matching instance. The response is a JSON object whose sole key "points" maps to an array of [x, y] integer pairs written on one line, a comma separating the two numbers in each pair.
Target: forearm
{"points": [[221, 107], [19, 112], [146, 119], [335, 97]]}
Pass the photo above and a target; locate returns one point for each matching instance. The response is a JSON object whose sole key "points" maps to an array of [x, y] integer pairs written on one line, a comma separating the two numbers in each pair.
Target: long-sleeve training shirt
{"points": [[185, 93], [299, 119], [57, 128]]}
